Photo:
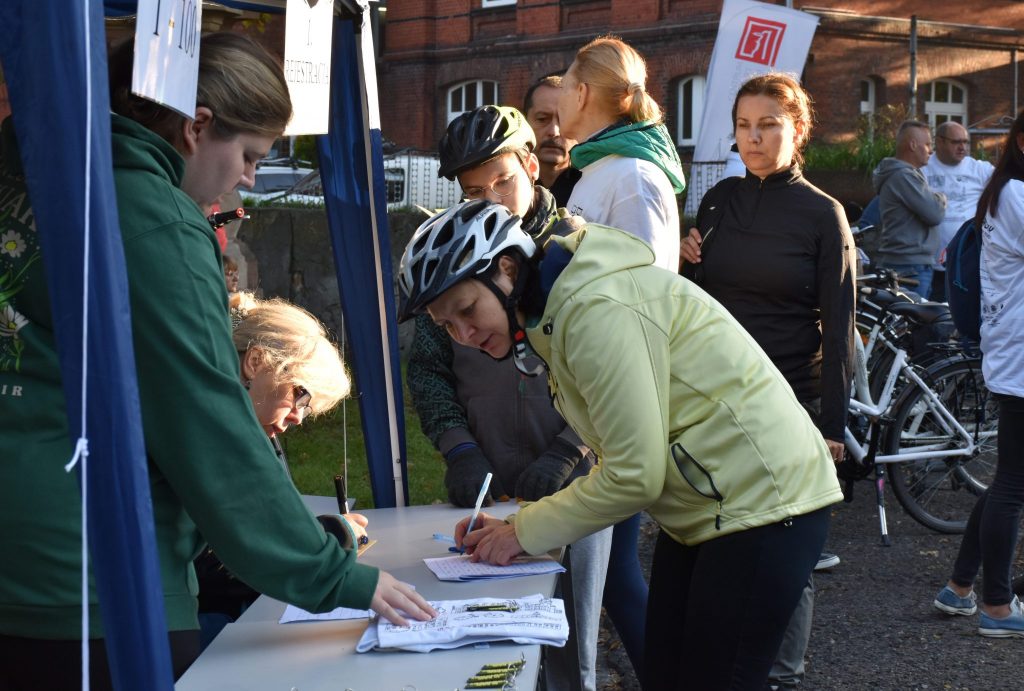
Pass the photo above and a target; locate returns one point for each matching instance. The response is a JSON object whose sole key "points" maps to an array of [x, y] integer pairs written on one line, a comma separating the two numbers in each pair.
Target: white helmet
{"points": [[462, 242]]}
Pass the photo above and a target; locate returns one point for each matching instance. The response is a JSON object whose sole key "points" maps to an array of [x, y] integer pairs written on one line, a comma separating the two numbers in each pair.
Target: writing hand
{"points": [[357, 522], [482, 520], [494, 544], [689, 247], [392, 595]]}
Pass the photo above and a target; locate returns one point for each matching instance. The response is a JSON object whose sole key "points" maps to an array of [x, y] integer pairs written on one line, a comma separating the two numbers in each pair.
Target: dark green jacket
{"points": [[213, 473]]}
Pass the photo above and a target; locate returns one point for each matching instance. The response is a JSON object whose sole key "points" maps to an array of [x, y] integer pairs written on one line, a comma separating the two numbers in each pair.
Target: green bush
{"points": [[875, 140]]}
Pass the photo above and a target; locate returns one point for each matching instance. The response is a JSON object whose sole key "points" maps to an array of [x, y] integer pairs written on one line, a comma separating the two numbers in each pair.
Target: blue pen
{"points": [[476, 511]]}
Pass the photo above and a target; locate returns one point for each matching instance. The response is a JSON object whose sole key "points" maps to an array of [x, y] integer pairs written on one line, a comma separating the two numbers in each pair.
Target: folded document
{"points": [[462, 568], [528, 620]]}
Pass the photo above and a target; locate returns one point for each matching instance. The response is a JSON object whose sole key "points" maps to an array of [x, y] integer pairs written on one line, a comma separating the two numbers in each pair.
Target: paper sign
{"points": [[308, 30], [167, 53]]}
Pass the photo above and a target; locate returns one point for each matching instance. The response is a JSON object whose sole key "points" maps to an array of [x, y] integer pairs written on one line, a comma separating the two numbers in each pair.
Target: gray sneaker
{"points": [[1008, 627], [949, 602]]}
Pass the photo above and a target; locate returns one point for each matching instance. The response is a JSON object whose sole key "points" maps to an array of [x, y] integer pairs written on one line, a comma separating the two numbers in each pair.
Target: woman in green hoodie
{"points": [[213, 473]]}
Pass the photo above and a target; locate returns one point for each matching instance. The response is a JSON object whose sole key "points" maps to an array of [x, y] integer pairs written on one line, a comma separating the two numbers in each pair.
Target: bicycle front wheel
{"points": [[940, 492]]}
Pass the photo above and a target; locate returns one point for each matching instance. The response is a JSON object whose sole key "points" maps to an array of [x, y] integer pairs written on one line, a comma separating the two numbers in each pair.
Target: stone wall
{"points": [[287, 253]]}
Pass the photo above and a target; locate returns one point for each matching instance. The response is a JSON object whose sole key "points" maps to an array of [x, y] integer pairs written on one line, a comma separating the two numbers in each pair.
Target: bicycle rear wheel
{"points": [[940, 492]]}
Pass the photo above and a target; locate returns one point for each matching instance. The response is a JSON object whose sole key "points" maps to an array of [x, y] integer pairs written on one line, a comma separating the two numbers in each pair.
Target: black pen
{"points": [[342, 491]]}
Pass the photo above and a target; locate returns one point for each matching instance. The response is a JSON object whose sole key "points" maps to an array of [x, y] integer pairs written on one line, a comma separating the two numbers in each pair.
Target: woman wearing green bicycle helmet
{"points": [[689, 418]]}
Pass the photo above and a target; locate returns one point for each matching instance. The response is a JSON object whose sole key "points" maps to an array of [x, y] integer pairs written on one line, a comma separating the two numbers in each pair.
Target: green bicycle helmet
{"points": [[482, 134]]}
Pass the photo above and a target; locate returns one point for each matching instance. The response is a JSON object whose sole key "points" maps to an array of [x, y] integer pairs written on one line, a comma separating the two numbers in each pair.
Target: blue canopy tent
{"points": [[64, 136]]}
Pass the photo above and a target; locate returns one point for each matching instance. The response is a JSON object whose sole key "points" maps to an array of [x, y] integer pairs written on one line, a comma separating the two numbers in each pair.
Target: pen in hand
{"points": [[341, 490], [476, 512]]}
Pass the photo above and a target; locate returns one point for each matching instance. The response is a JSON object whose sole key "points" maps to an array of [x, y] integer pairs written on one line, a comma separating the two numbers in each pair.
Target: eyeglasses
{"points": [[502, 187], [956, 142], [301, 401]]}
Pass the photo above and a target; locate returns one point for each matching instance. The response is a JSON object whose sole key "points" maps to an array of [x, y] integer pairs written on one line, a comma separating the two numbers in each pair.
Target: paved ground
{"points": [[874, 624]]}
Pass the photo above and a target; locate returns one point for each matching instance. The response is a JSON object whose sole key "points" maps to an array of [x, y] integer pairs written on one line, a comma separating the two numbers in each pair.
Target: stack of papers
{"points": [[462, 568], [529, 620]]}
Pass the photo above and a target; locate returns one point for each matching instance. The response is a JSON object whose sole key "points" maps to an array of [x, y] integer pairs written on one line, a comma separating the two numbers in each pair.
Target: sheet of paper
{"points": [[461, 568], [294, 614], [528, 620]]}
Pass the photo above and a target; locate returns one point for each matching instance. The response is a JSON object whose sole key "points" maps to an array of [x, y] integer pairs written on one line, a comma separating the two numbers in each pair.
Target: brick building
{"points": [[440, 57]]}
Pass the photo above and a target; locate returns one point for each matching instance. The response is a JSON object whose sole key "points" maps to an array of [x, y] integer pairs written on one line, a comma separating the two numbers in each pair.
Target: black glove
{"points": [[467, 468], [549, 472]]}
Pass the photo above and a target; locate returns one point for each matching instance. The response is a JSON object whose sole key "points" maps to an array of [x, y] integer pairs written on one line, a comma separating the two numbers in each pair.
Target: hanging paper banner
{"points": [[167, 53], [307, 63]]}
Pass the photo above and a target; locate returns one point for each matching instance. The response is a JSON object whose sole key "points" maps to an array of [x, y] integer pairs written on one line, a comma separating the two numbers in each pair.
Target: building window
{"points": [[469, 95], [868, 101], [496, 3], [946, 100], [689, 109]]}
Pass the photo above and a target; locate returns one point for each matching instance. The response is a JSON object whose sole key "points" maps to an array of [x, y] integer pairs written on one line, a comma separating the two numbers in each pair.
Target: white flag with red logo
{"points": [[753, 38]]}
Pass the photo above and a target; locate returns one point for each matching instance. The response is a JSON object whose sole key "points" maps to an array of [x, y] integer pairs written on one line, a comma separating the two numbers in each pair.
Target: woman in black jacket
{"points": [[778, 254]]}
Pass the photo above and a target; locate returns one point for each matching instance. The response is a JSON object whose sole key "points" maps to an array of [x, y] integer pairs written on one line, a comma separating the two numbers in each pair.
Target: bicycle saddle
{"points": [[923, 313], [883, 297]]}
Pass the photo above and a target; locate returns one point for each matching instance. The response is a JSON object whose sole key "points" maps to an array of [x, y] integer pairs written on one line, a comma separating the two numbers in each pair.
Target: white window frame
{"points": [[698, 82], [496, 3], [478, 84], [869, 106], [939, 112]]}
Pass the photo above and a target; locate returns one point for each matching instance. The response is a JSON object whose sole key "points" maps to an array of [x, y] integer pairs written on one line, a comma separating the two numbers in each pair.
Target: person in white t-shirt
{"points": [[961, 178], [631, 176], [631, 170], [991, 534]]}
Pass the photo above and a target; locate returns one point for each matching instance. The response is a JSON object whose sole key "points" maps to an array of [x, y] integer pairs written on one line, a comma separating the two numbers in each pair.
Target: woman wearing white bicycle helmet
{"points": [[532, 452], [691, 422]]}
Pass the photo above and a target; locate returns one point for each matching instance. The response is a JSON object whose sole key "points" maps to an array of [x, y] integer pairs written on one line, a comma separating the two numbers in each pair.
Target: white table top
{"points": [[257, 653]]}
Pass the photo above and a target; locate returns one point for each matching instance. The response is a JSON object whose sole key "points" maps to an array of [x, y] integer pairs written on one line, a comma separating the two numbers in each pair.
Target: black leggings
{"points": [[717, 611], [991, 534], [32, 664]]}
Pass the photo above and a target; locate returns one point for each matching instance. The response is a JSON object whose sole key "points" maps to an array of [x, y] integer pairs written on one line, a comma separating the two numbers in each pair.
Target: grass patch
{"points": [[316, 453]]}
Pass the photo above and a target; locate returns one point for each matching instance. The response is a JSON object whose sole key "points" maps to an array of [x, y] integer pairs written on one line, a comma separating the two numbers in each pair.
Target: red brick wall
{"points": [[433, 44]]}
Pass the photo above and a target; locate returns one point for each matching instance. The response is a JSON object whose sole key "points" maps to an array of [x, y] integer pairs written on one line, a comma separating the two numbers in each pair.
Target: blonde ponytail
{"points": [[618, 76]]}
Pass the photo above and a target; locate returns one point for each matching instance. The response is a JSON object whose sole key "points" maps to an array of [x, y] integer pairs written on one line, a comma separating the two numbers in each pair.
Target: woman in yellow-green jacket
{"points": [[690, 419]]}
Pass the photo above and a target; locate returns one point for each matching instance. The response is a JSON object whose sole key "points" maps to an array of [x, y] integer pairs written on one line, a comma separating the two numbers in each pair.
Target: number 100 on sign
{"points": [[166, 52]]}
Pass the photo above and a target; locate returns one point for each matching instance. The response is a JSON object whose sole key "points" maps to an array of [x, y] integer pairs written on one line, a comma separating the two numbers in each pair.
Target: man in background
{"points": [[961, 178], [541, 109], [910, 209]]}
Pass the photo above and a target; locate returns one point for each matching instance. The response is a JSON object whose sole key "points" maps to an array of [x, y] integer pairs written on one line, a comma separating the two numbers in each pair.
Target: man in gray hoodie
{"points": [[910, 209]]}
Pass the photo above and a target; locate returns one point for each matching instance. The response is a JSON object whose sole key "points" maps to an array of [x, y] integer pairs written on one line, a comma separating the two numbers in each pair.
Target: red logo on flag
{"points": [[760, 41]]}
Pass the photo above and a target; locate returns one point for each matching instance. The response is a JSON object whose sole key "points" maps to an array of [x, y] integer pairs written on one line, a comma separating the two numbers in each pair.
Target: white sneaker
{"points": [[826, 561]]}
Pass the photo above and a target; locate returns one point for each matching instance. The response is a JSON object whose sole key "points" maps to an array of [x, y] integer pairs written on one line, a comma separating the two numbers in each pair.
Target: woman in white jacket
{"points": [[992, 528]]}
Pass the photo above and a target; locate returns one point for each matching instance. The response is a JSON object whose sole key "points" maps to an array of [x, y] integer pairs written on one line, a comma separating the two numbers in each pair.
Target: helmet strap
{"points": [[520, 344]]}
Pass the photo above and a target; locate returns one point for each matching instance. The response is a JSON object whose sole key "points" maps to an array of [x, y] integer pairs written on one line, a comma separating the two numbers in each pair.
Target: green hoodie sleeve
{"points": [[211, 462]]}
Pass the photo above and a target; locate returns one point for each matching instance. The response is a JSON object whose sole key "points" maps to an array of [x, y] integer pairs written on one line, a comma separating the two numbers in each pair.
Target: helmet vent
{"points": [[444, 235], [466, 254], [490, 223]]}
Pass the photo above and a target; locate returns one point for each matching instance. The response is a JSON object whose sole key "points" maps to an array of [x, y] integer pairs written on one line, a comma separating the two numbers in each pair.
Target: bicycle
{"points": [[924, 431]]}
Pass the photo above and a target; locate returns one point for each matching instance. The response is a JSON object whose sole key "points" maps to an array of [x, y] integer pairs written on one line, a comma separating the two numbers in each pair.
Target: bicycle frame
{"points": [[862, 404]]}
